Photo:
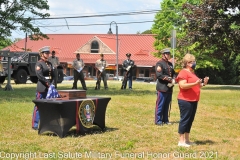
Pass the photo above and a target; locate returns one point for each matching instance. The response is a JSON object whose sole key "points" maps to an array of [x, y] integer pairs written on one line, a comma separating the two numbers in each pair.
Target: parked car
{"points": [[110, 76], [120, 78], [67, 78], [145, 79]]}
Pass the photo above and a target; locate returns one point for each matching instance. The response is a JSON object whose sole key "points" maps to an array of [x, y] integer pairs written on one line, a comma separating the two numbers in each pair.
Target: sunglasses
{"points": [[47, 52], [166, 52], [191, 62]]}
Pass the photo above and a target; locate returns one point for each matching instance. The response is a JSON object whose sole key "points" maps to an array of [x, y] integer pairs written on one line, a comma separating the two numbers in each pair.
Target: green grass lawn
{"points": [[130, 130]]}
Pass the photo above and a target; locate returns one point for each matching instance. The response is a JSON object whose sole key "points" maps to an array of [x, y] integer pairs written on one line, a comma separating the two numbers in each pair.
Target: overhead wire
{"points": [[95, 24], [102, 15], [95, 16]]}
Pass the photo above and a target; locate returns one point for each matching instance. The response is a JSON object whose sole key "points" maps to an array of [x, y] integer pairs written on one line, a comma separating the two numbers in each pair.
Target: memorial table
{"points": [[61, 114]]}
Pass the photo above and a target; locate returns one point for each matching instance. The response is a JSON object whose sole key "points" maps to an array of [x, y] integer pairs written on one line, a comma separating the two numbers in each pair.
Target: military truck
{"points": [[23, 68]]}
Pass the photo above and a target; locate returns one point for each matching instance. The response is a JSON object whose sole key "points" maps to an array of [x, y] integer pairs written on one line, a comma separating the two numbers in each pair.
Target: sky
{"points": [[75, 8]]}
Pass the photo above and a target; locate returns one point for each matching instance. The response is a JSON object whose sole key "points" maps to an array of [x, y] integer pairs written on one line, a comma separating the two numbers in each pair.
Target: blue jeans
{"points": [[35, 116], [130, 81], [187, 114], [162, 107]]}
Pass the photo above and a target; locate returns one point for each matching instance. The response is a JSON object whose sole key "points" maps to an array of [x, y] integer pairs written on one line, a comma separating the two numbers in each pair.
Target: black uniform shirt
{"points": [[45, 74], [164, 69]]}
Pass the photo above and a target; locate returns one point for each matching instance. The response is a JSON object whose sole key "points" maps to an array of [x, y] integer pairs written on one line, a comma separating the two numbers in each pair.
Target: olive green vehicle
{"points": [[23, 68]]}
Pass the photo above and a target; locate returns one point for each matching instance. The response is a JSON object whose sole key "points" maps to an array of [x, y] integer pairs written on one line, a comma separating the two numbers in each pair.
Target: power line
{"points": [[102, 15], [97, 24]]}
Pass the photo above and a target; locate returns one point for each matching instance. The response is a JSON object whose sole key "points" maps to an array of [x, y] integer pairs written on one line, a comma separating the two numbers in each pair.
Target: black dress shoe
{"points": [[159, 124], [168, 123]]}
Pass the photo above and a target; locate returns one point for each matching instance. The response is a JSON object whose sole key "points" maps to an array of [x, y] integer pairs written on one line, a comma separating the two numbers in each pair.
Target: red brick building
{"points": [[91, 45]]}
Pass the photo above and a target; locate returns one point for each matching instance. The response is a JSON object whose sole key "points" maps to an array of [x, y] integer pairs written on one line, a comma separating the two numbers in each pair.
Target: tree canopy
{"points": [[147, 32], [213, 32], [20, 15], [5, 43], [209, 29]]}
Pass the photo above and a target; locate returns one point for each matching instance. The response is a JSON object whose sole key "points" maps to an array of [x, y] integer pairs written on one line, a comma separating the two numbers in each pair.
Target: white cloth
{"points": [[80, 69], [101, 69]]}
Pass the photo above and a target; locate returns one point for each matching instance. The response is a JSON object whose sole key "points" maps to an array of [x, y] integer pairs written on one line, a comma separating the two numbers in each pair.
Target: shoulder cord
{"points": [[169, 71], [49, 68]]}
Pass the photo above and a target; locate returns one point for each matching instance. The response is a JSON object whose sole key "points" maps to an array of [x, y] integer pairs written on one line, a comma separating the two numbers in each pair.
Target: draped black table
{"points": [[59, 115]]}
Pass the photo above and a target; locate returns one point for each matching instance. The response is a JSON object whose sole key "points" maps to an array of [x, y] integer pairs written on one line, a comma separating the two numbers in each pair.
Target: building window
{"points": [[94, 47]]}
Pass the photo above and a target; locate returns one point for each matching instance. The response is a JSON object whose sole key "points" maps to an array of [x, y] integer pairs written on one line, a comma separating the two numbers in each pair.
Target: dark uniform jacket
{"points": [[163, 75], [45, 75], [127, 63]]}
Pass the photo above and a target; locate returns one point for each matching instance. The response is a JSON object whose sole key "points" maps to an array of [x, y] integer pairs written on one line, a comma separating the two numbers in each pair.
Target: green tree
{"points": [[213, 32], [167, 19], [5, 43], [209, 29], [19, 15], [147, 32]]}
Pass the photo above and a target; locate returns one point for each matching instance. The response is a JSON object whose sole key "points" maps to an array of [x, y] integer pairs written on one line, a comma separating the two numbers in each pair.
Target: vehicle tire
{"points": [[2, 79], [60, 76], [20, 77], [34, 79]]}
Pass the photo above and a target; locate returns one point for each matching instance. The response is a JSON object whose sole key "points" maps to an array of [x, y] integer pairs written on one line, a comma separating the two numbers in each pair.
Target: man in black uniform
{"points": [[78, 66], [165, 82], [45, 74], [127, 66]]}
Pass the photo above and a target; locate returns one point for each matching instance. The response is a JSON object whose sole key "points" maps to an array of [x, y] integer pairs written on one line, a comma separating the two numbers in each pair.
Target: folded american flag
{"points": [[52, 92]]}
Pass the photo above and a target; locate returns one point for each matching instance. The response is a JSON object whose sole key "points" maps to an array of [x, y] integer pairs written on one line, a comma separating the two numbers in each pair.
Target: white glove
{"points": [[102, 68], [173, 81], [170, 85], [128, 68]]}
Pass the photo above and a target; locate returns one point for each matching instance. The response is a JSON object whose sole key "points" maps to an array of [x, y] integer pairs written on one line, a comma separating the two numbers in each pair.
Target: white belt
{"points": [[47, 78]]}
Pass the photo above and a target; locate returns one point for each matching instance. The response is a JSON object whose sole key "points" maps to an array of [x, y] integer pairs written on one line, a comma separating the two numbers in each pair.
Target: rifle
{"points": [[124, 83], [169, 110], [98, 81]]}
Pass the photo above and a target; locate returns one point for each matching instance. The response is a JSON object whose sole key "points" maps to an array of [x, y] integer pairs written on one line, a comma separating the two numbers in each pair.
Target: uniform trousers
{"points": [[79, 76], [104, 78], [162, 107], [129, 81], [187, 114], [35, 116], [55, 77]]}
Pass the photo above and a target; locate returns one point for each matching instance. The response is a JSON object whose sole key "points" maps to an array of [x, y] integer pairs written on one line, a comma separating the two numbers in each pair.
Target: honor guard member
{"points": [[78, 66], [45, 75], [127, 66], [100, 65], [165, 82], [55, 62]]}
